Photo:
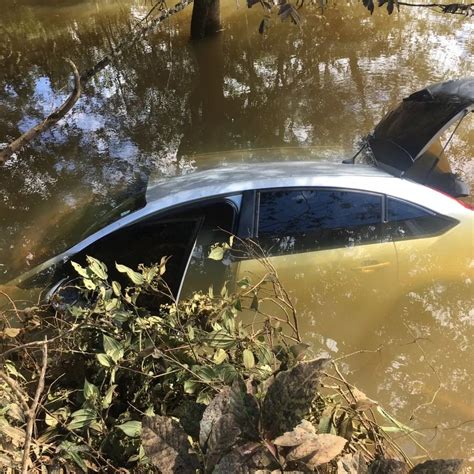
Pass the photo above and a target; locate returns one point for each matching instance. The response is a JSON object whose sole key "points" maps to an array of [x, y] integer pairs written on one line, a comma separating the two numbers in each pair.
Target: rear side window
{"points": [[406, 220], [292, 221]]}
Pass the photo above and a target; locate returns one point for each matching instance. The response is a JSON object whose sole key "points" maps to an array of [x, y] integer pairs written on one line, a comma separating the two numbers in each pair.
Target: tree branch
{"points": [[80, 80], [48, 122], [31, 413], [453, 8]]}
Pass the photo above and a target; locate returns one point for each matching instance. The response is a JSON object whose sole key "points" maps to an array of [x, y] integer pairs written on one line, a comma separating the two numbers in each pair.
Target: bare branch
{"points": [[453, 8], [48, 122], [31, 413]]}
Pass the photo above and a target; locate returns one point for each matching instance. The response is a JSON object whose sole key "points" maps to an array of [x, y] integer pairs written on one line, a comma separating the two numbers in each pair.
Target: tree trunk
{"points": [[206, 18]]}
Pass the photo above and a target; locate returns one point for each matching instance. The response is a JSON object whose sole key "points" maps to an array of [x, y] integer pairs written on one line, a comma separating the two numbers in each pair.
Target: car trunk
{"points": [[406, 143]]}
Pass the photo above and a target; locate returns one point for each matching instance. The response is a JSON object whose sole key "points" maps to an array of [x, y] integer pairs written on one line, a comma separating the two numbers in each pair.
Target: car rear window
{"points": [[307, 219], [406, 220]]}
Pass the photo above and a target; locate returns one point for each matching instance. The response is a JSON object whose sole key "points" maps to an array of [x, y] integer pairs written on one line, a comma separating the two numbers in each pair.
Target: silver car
{"points": [[325, 222]]}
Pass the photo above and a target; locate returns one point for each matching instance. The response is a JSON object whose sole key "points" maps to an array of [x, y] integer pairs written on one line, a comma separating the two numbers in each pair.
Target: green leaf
{"points": [[120, 317], [243, 283], [254, 303], [205, 373], [264, 355], [112, 304], [132, 429], [163, 265], [238, 305], [104, 360], [220, 339], [136, 278], [116, 288], [397, 423], [11, 369], [204, 397], [82, 418], [50, 420], [107, 400], [71, 451], [298, 350], [216, 253], [97, 267], [190, 386], [89, 284], [248, 359], [80, 270], [220, 356], [90, 390], [113, 348], [226, 372]]}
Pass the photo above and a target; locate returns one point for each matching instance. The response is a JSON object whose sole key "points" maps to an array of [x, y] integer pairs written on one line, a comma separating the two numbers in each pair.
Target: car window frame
{"points": [[236, 202], [388, 236]]}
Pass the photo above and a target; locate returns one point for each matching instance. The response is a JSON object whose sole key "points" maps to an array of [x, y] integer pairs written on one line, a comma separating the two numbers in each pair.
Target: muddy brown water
{"points": [[164, 105]]}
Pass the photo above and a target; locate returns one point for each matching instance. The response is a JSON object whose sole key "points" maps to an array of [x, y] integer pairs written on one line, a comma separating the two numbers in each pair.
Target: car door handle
{"points": [[372, 266]]}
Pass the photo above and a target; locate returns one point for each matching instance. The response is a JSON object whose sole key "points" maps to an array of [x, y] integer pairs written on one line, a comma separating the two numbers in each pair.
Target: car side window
{"points": [[146, 242], [291, 221], [408, 221]]}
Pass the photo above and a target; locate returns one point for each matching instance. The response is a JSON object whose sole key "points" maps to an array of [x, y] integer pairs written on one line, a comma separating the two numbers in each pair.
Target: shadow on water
{"points": [[167, 103]]}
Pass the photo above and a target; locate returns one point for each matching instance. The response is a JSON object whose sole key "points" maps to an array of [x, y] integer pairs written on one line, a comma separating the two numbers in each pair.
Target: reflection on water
{"points": [[167, 103]]}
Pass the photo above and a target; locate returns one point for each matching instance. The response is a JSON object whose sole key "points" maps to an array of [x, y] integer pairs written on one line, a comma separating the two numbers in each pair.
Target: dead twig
{"points": [[31, 413]]}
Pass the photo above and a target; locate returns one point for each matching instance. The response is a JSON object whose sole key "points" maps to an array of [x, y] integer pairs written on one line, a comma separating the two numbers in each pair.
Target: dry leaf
{"points": [[167, 446], [351, 464], [303, 432], [11, 332], [318, 450], [362, 401], [289, 397]]}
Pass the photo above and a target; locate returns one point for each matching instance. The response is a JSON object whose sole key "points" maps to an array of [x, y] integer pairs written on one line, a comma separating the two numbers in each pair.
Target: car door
{"points": [[176, 234], [327, 249]]}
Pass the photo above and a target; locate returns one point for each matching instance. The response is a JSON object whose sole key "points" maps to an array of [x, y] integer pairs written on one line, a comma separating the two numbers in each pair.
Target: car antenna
{"points": [[351, 161]]}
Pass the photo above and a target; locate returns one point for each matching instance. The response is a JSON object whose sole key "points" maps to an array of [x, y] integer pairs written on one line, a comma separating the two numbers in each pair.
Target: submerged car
{"points": [[350, 235]]}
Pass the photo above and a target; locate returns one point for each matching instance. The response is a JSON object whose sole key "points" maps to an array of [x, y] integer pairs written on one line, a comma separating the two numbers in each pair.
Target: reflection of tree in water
{"points": [[422, 370]]}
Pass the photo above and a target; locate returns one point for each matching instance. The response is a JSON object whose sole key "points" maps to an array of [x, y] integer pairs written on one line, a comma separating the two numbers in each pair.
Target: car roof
{"points": [[246, 176]]}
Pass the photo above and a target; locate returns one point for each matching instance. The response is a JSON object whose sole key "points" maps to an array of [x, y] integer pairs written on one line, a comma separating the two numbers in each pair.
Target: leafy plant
{"points": [[175, 388]]}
